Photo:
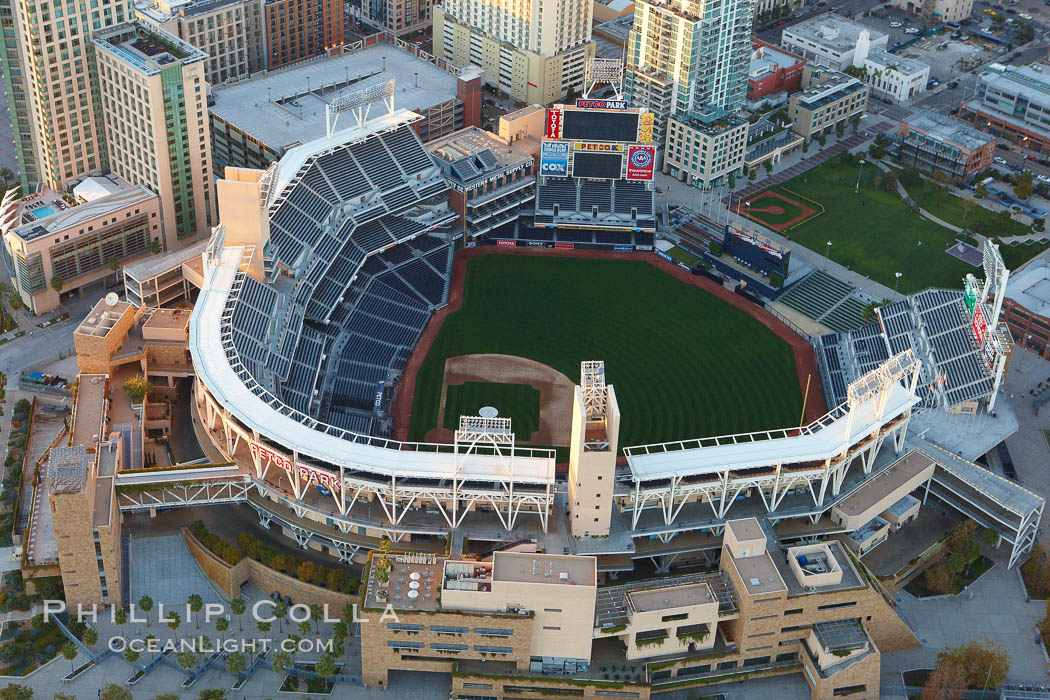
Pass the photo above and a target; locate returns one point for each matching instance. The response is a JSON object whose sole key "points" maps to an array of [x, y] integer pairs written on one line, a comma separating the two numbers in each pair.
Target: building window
{"points": [[836, 606]]}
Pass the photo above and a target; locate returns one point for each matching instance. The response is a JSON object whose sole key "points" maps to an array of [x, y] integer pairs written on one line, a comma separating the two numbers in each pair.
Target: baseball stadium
{"points": [[374, 372]]}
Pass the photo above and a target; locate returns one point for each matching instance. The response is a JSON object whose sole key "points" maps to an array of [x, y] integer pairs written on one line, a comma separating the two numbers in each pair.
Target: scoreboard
{"points": [[628, 125]]}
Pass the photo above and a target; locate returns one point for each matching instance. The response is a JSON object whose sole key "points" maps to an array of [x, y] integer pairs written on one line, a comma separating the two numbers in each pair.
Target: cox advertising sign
{"points": [[553, 130], [554, 158], [602, 104], [640, 161]]}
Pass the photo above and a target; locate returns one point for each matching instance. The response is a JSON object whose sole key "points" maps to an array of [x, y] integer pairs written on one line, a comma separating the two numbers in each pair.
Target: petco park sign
{"points": [[602, 104], [260, 452], [606, 147]]}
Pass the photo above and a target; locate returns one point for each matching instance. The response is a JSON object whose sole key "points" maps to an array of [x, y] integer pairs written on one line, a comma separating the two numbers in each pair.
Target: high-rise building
{"points": [[688, 62], [298, 29], [156, 121], [56, 115], [397, 16], [533, 51], [229, 31]]}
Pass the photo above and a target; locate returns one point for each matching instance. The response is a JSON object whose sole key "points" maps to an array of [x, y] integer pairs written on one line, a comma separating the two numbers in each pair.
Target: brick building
{"points": [[1026, 307], [933, 142], [774, 74], [299, 29]]}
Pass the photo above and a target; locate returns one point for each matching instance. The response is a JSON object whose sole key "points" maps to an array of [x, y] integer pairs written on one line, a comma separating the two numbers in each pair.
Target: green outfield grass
{"points": [[873, 232], [684, 363], [520, 402]]}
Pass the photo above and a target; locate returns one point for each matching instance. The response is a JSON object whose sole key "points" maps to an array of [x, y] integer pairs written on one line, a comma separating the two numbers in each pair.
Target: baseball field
{"points": [[684, 363]]}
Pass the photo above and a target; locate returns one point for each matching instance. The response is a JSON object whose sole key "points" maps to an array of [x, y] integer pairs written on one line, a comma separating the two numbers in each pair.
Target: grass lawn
{"points": [[873, 232], [684, 363], [1018, 254], [683, 256], [951, 209], [520, 402]]}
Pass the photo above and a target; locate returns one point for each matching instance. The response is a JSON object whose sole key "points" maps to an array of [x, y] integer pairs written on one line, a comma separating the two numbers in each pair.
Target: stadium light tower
{"points": [[603, 70], [826, 254], [896, 281], [358, 103]]}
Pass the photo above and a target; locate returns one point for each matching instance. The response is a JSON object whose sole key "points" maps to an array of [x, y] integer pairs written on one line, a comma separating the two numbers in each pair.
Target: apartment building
{"points": [[49, 72], [772, 75], [832, 41], [894, 77], [828, 98], [686, 57], [229, 31], [154, 91], [766, 10], [1013, 103], [78, 239], [300, 29], [937, 10], [397, 16], [934, 142], [705, 153], [535, 52]]}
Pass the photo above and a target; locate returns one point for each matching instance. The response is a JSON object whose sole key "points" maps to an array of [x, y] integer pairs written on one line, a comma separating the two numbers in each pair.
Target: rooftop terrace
{"points": [[550, 569], [145, 47]]}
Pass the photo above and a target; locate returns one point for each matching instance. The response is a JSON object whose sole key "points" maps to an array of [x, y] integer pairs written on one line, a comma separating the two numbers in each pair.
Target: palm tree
{"points": [[263, 627], [281, 662], [90, 637], [279, 611], [316, 611], [196, 604], [14, 300], [69, 651], [325, 667], [56, 284], [145, 605], [238, 607], [236, 663], [120, 616], [6, 175], [154, 246], [131, 656], [174, 621], [221, 625], [187, 661]]}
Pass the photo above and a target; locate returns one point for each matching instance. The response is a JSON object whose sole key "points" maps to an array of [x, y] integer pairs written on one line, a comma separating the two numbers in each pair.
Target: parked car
{"points": [[1024, 15], [953, 84], [913, 30], [1002, 147], [896, 24], [1000, 160], [1042, 178], [990, 13]]}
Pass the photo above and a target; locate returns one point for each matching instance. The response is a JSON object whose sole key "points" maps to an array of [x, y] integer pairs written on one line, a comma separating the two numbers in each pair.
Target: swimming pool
{"points": [[44, 211]]}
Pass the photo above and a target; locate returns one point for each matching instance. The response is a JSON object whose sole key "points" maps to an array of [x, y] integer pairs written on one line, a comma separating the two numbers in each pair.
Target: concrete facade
{"points": [[827, 99], [937, 10]]}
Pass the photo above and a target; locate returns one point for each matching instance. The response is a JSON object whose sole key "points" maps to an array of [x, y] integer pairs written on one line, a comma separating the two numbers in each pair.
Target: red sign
{"points": [[640, 162], [553, 124], [979, 324], [564, 245], [505, 242]]}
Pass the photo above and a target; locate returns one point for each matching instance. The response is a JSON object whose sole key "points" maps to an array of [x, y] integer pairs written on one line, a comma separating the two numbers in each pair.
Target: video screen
{"points": [[584, 125], [599, 165]]}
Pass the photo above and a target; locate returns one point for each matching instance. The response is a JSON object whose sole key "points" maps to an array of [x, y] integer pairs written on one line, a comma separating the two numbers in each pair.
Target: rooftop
{"points": [[888, 480], [168, 318], [903, 505], [102, 317], [832, 86], [557, 569], [88, 409], [618, 28], [671, 597], [414, 583], [1030, 287], [156, 264], [868, 529], [904, 66], [67, 469], [830, 31], [766, 59], [944, 128], [850, 577], [166, 10], [146, 47], [52, 214], [746, 529], [611, 606], [472, 154], [759, 574], [1032, 82], [287, 106]]}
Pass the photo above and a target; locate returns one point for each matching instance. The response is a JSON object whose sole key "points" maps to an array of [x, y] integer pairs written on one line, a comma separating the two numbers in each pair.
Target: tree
{"points": [[187, 660], [6, 175], [281, 662], [112, 691], [304, 628], [120, 617], [146, 605], [236, 663], [14, 300], [114, 264], [877, 151], [154, 246], [138, 388], [280, 610], [939, 578], [238, 607], [90, 637], [195, 602], [263, 627], [221, 625], [889, 182], [822, 140], [340, 630], [1039, 223], [166, 696], [13, 691], [131, 656], [752, 174], [983, 663], [316, 612], [946, 682], [212, 694], [325, 667], [305, 571], [769, 166], [1023, 186], [980, 192], [69, 652], [174, 621], [56, 283], [63, 696]]}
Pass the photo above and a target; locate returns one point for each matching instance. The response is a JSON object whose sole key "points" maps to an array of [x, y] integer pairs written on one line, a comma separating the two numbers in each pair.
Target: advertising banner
{"points": [[505, 242], [602, 104], [554, 158], [553, 129], [565, 245], [979, 324], [643, 247], [640, 161], [624, 249], [665, 256], [645, 131], [597, 147]]}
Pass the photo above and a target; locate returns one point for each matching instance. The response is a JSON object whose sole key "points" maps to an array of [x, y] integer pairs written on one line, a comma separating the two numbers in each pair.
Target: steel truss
{"points": [[168, 495], [453, 496]]}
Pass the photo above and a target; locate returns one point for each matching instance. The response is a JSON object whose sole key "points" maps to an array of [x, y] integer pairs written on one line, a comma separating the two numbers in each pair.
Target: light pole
{"points": [[896, 281], [826, 254], [856, 190], [1020, 363]]}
